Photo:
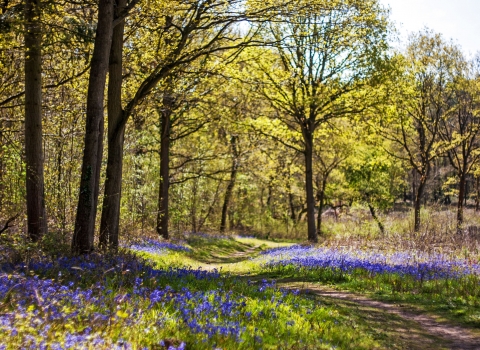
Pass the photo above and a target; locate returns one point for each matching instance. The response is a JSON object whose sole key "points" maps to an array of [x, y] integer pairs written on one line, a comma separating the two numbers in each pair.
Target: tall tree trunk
{"points": [[461, 197], [36, 215], [83, 237], [418, 200], [162, 215], [312, 233], [110, 221], [321, 200], [231, 183]]}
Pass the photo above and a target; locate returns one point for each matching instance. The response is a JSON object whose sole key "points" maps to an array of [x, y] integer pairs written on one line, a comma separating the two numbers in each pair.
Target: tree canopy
{"points": [[226, 115]]}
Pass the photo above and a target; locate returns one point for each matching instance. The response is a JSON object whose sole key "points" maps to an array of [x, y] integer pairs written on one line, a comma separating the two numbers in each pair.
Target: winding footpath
{"points": [[413, 328], [451, 336]]}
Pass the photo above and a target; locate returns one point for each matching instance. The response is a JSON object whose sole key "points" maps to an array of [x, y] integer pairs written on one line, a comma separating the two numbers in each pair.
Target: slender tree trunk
{"points": [[162, 216], [83, 237], [376, 218], [461, 197], [312, 233], [36, 215], [110, 221], [418, 203], [321, 200], [414, 186], [269, 197], [210, 208], [293, 215], [231, 215], [477, 197], [2, 167], [231, 183], [98, 168], [193, 210]]}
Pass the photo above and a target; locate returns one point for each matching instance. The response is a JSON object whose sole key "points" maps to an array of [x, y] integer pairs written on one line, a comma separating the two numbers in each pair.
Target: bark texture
{"points": [[477, 196], [461, 197], [36, 215], [162, 215], [110, 221], [231, 183], [312, 233], [321, 202], [418, 202], [83, 237], [375, 217]]}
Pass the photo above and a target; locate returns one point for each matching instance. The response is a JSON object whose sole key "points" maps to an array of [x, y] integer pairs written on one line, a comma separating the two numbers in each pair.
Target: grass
{"points": [[209, 292], [124, 302]]}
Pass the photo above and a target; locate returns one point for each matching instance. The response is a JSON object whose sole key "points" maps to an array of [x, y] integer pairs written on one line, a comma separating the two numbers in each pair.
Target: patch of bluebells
{"points": [[94, 267], [202, 311], [42, 303], [420, 266], [182, 346], [156, 247], [50, 294]]}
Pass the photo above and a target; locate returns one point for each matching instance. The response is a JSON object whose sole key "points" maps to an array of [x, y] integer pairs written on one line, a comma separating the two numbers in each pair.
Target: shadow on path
{"points": [[415, 328]]}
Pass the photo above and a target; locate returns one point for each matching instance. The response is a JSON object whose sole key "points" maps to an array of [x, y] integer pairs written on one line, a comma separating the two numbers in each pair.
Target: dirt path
{"points": [[237, 256], [407, 326], [247, 253], [447, 336]]}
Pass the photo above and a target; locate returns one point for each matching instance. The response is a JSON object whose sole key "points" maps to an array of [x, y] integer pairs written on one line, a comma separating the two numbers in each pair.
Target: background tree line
{"points": [[171, 116]]}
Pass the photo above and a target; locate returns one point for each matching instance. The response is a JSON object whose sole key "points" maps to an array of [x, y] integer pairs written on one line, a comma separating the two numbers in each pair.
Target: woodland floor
{"points": [[402, 326]]}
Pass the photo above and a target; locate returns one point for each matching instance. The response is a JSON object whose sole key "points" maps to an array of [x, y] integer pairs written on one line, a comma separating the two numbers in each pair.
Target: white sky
{"points": [[455, 19]]}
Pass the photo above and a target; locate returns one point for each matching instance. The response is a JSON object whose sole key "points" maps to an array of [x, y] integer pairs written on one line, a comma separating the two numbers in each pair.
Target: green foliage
{"points": [[373, 177]]}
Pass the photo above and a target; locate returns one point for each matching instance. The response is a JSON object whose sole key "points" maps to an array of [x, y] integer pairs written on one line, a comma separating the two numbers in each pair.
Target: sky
{"points": [[455, 19]]}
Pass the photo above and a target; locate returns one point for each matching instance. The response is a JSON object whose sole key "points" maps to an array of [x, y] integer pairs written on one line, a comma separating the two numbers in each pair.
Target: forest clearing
{"points": [[235, 174]]}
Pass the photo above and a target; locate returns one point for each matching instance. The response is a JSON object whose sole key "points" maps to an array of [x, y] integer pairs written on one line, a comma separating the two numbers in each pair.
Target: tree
{"points": [[375, 179], [187, 105], [167, 109], [322, 57], [36, 214], [83, 236], [192, 31], [110, 219], [331, 150], [231, 182], [420, 101], [461, 128]]}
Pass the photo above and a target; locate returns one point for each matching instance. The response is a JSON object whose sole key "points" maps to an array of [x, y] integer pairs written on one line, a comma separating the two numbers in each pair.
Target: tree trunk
{"points": [[414, 187], [321, 199], [162, 215], [312, 233], [461, 197], [2, 166], [477, 197], [193, 208], [418, 199], [83, 237], [110, 221], [376, 218], [36, 215], [231, 183], [293, 215]]}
